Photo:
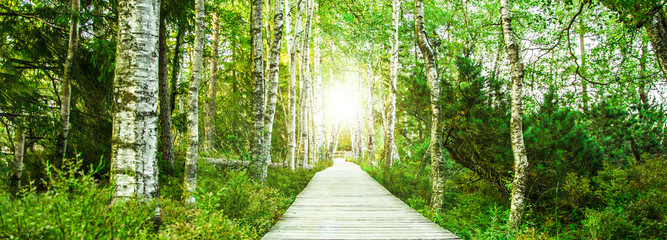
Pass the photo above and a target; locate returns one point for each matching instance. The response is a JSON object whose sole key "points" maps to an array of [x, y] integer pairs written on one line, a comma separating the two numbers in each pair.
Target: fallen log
{"points": [[241, 163]]}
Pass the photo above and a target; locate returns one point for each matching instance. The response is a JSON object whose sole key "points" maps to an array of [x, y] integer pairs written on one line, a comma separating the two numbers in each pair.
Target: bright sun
{"points": [[341, 103]]}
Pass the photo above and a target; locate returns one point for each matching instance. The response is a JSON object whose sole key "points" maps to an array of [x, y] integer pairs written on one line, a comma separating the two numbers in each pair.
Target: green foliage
{"points": [[230, 205], [632, 202], [75, 206]]}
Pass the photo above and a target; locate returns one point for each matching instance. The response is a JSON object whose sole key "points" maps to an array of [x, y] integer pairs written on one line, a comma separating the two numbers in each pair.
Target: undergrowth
{"points": [[618, 203], [230, 205]]}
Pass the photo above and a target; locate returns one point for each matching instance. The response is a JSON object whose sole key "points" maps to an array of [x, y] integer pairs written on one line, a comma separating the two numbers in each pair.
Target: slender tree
{"points": [[389, 139], [258, 107], [291, 128], [305, 81], [19, 148], [192, 154], [211, 108], [318, 116], [516, 125], [166, 137], [134, 168], [66, 96], [437, 174], [274, 63], [371, 120], [176, 67]]}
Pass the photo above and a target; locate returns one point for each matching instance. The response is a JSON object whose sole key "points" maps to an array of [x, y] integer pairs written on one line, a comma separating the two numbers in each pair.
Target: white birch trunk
{"points": [[211, 109], [134, 170], [274, 62], [360, 121], [291, 145], [516, 124], [437, 174], [371, 120], [390, 142], [192, 154], [318, 117], [67, 83], [305, 81], [257, 145], [19, 148]]}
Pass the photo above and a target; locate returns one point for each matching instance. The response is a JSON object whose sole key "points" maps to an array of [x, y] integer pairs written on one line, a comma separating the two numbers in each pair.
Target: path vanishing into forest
{"points": [[344, 202]]}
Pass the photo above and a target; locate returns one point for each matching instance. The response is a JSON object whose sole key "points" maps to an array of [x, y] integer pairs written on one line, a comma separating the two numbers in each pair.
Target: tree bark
{"points": [[192, 153], [211, 108], [258, 108], [167, 147], [66, 95], [274, 63], [516, 124], [318, 117], [389, 139], [334, 139], [305, 82], [176, 68], [134, 170], [291, 145], [437, 174], [19, 147], [371, 120], [656, 29], [360, 121]]}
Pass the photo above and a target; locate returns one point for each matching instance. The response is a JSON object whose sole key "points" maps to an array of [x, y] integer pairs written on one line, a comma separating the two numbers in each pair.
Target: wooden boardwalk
{"points": [[344, 202]]}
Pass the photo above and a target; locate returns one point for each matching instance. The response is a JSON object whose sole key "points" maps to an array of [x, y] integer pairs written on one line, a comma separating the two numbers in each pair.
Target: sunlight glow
{"points": [[341, 103]]}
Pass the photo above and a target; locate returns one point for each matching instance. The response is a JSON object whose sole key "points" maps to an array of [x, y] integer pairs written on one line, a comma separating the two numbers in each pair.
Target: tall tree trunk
{"points": [[335, 132], [305, 81], [656, 29], [192, 154], [291, 145], [19, 147], [134, 170], [516, 124], [176, 67], [360, 121], [371, 121], [258, 107], [389, 139], [274, 63], [167, 147], [437, 174], [66, 98], [211, 110], [318, 117]]}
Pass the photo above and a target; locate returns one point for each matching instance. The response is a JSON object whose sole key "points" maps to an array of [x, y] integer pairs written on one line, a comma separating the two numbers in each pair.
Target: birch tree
{"points": [[305, 81], [437, 174], [211, 108], [516, 125], [66, 97], [192, 154], [134, 168], [390, 142], [258, 107], [274, 63], [19, 148], [291, 145], [166, 137], [318, 116], [371, 121]]}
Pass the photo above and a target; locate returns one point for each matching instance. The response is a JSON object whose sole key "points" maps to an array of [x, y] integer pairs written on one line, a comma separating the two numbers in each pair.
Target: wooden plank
{"points": [[343, 202]]}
